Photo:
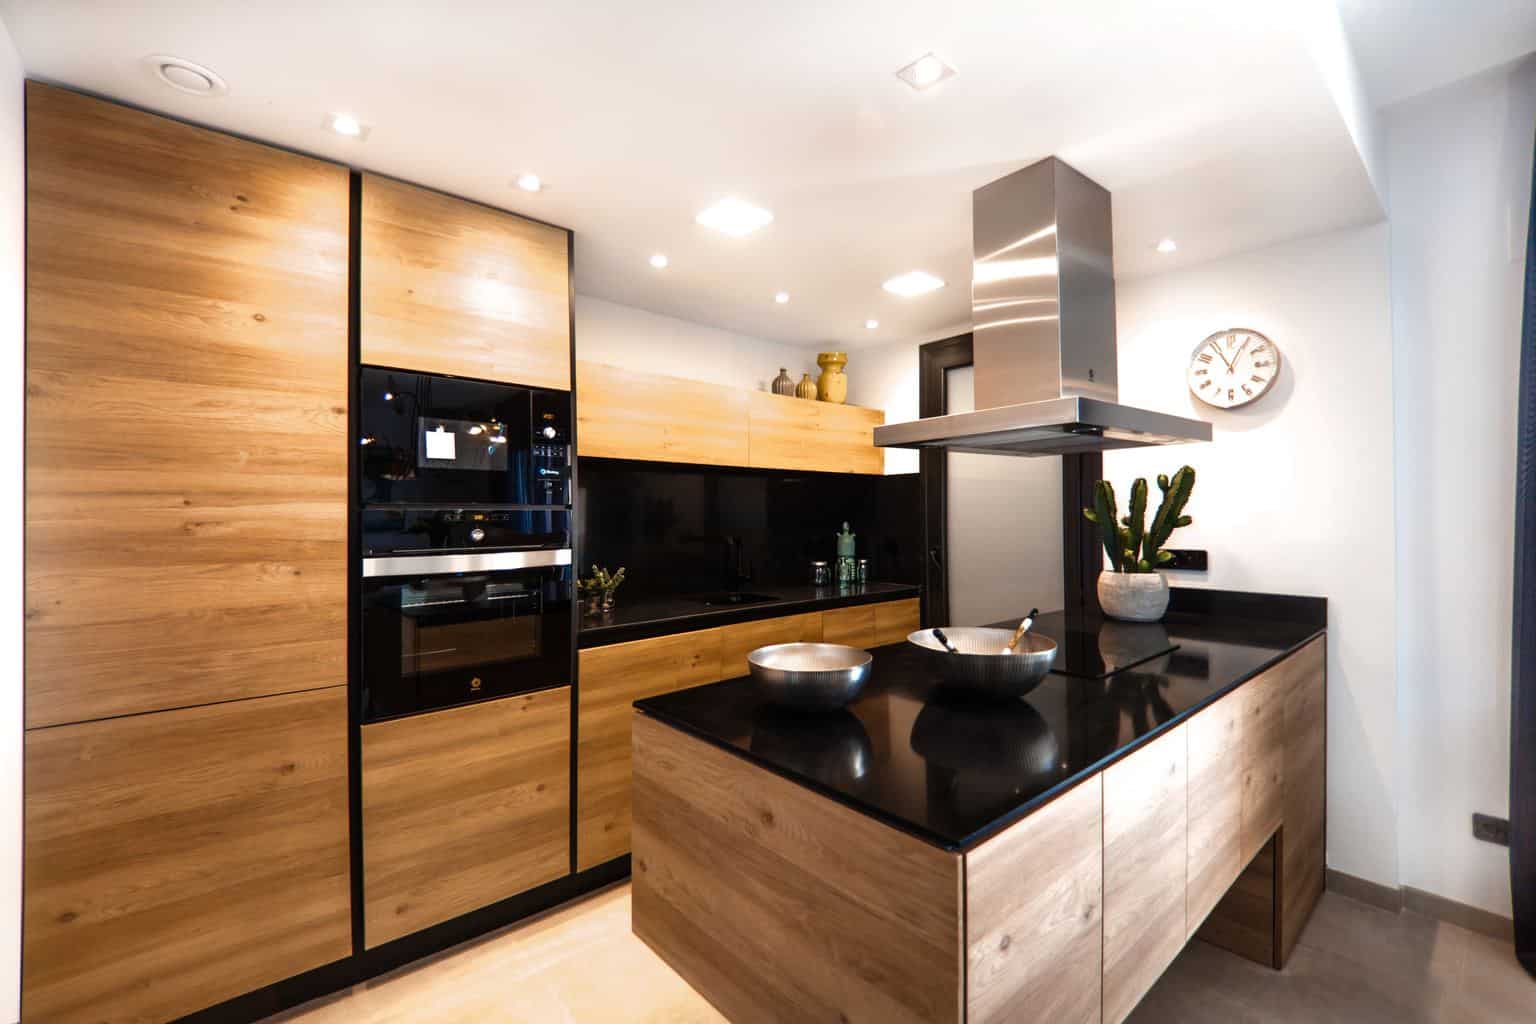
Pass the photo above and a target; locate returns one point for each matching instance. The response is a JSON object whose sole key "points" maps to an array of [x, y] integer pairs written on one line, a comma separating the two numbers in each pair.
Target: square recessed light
{"points": [[925, 72], [913, 282], [734, 217]]}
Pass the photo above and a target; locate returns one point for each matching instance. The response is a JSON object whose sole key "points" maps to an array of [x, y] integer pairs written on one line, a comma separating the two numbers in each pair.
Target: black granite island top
{"points": [[953, 770], [658, 616]]}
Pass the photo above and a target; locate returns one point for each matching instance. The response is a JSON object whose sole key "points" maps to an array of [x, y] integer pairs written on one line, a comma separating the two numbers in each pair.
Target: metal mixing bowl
{"points": [[981, 666], [812, 677]]}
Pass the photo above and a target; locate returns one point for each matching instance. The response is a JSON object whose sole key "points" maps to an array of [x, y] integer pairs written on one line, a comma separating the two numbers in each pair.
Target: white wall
{"points": [[1294, 495], [607, 332], [1460, 187], [12, 253]]}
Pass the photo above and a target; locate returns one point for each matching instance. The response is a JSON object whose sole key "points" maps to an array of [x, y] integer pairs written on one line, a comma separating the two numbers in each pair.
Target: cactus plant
{"points": [[1133, 546], [601, 581]]}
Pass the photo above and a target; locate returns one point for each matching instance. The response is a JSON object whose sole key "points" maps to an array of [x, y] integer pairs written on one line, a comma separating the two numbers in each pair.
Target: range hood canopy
{"points": [[1043, 329]]}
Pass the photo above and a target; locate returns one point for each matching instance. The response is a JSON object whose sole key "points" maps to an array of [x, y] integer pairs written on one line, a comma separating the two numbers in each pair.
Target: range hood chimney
{"points": [[1043, 329]]}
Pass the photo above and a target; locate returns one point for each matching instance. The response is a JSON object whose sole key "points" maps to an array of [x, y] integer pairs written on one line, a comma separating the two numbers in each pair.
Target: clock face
{"points": [[1233, 367]]}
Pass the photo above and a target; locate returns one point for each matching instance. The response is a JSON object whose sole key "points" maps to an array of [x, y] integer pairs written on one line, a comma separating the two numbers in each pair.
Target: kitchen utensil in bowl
{"points": [[1029, 620], [979, 668], [938, 634], [811, 677]]}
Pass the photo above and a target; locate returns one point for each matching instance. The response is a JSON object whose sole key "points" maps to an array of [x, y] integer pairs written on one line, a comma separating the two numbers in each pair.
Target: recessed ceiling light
{"points": [[1167, 245], [925, 72], [871, 324], [348, 125], [529, 182], [734, 217], [781, 298], [659, 260], [185, 76], [913, 282]]}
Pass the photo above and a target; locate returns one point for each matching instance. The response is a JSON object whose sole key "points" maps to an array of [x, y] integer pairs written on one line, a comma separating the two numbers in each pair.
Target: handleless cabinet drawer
{"points": [[742, 639], [852, 626], [894, 620]]}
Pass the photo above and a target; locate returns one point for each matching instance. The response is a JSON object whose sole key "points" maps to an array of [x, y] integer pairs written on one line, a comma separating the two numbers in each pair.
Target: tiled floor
{"points": [[1355, 965]]}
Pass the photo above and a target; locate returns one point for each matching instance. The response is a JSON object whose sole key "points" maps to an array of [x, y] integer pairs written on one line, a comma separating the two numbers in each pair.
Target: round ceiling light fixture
{"points": [[185, 75]]}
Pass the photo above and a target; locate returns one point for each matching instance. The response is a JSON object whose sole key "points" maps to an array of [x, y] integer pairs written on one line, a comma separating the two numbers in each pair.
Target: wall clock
{"points": [[1233, 367]]}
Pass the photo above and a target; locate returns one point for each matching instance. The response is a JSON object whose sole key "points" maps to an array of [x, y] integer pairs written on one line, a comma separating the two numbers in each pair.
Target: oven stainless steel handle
{"points": [[445, 565]]}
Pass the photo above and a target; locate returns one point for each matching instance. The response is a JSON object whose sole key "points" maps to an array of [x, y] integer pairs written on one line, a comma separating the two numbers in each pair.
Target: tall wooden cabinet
{"points": [[185, 775]]}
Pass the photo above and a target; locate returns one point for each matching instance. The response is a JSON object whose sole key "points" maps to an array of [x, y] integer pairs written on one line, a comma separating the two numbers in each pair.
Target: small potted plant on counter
{"points": [[597, 590], [1135, 590]]}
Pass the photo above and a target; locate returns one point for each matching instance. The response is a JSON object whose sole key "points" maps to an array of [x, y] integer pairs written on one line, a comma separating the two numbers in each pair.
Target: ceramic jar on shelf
{"points": [[784, 384], [806, 388], [833, 385]]}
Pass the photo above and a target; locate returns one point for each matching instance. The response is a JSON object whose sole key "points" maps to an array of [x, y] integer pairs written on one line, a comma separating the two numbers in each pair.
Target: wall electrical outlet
{"points": [[1188, 559], [1490, 829]]}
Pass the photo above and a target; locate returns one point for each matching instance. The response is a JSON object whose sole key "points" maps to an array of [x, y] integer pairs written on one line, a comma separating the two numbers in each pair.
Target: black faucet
{"points": [[737, 575]]}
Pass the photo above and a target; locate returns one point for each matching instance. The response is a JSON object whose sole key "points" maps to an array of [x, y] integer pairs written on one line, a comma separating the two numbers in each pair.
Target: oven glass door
{"points": [[436, 641]]}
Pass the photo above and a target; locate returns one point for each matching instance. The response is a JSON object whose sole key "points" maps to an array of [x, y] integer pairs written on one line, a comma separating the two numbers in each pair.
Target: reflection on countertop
{"points": [[953, 770]]}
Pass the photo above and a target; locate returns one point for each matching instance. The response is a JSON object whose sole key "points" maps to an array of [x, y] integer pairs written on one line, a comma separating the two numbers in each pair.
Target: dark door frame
{"points": [[1082, 559]]}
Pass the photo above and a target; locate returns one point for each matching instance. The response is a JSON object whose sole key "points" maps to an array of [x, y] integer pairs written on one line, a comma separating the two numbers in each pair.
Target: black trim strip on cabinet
{"points": [[1522, 717], [354, 561], [576, 510], [933, 361]]}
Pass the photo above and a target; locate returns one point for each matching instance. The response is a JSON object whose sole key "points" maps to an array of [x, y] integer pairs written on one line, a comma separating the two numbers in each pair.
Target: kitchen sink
{"points": [[734, 597]]}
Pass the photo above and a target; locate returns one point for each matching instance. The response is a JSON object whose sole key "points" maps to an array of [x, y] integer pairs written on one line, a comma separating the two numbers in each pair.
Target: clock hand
{"points": [[1224, 359], [1238, 354]]}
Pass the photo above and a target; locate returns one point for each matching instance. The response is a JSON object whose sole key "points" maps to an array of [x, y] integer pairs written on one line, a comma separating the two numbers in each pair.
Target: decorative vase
{"points": [[1133, 596], [784, 384], [806, 388], [833, 385]]}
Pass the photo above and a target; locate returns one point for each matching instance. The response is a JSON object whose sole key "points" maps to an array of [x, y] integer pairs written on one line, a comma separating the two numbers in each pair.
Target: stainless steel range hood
{"points": [[1043, 324]]}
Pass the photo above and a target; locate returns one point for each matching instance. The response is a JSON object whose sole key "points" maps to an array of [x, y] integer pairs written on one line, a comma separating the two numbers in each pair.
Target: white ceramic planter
{"points": [[1133, 596]]}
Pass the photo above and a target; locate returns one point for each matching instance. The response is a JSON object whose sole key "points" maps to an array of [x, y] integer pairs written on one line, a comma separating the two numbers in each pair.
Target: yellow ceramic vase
{"points": [[806, 388], [833, 384]]}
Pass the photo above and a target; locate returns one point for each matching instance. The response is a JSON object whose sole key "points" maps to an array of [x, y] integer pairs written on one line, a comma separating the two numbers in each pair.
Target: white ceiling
{"points": [[1405, 47], [1208, 119]]}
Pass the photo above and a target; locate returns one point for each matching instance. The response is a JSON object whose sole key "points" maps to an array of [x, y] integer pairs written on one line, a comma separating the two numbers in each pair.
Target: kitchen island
{"points": [[921, 856]]}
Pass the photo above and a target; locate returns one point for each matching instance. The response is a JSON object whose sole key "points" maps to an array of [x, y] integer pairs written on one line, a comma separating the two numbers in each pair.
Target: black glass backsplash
{"points": [[676, 528]]}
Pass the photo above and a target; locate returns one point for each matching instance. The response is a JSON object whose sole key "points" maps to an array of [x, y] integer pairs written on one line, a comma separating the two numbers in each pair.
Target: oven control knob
{"points": [[550, 432], [477, 535]]}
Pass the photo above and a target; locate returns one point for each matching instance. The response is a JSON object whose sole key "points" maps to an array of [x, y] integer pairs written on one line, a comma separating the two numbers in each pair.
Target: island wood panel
{"points": [[741, 639], [852, 626], [1304, 841], [894, 620], [181, 858], [462, 808], [778, 904], [611, 679], [792, 433], [186, 414], [1215, 806], [625, 414], [1262, 703], [1145, 864], [1244, 921], [450, 286], [1034, 915]]}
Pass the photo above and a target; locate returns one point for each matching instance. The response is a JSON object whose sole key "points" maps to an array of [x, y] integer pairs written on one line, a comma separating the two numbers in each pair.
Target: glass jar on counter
{"points": [[861, 572], [821, 574]]}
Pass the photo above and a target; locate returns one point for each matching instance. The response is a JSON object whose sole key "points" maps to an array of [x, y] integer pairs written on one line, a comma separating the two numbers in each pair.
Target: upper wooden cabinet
{"points": [[450, 286], [792, 433], [624, 414], [186, 414], [628, 414]]}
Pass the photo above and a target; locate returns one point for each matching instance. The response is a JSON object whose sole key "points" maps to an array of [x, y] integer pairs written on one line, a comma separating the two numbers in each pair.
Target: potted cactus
{"points": [[598, 590], [1135, 590]]}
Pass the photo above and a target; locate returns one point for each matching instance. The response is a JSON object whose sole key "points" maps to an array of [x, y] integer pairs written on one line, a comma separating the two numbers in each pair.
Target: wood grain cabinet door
{"points": [[1306, 788], [852, 626], [462, 808], [624, 414], [1215, 806], [1263, 707], [178, 859], [740, 640], [186, 414], [792, 433], [451, 286], [612, 678], [894, 620], [1145, 837]]}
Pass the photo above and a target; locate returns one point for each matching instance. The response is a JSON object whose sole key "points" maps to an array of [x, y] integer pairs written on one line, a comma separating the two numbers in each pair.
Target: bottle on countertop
{"points": [[847, 567]]}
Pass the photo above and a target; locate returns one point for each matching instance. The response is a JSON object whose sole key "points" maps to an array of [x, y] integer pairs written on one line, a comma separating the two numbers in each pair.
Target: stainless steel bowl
{"points": [[981, 666], [812, 677]]}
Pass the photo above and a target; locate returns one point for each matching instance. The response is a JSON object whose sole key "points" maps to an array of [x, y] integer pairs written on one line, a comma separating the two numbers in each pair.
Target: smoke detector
{"points": [[185, 76]]}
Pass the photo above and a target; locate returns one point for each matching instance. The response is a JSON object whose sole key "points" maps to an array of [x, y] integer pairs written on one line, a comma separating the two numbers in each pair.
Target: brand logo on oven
{"points": [[475, 684]]}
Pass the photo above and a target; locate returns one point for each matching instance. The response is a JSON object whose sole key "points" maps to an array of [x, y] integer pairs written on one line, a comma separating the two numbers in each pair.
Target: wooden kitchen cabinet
{"points": [[1262, 704], [1145, 859], [186, 414], [1215, 846], [792, 433], [894, 620], [462, 808], [611, 679], [1304, 838], [450, 286], [624, 414], [740, 640], [853, 626], [177, 859]]}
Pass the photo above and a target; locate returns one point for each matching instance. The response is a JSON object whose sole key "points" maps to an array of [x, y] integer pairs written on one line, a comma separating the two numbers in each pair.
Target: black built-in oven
{"points": [[466, 587], [431, 440]]}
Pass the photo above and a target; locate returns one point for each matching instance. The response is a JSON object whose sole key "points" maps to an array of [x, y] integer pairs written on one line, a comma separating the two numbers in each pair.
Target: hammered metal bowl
{"points": [[811, 677], [981, 666]]}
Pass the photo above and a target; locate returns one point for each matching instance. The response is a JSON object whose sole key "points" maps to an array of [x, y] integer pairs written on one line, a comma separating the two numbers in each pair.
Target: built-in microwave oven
{"points": [[432, 440]]}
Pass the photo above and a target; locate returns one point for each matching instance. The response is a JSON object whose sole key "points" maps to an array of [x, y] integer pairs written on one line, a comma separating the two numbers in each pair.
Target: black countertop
{"points": [[953, 770], [658, 616]]}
